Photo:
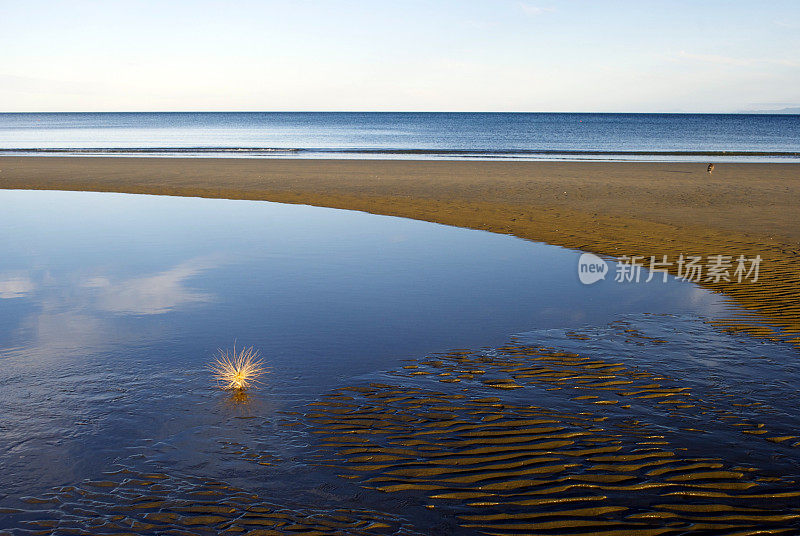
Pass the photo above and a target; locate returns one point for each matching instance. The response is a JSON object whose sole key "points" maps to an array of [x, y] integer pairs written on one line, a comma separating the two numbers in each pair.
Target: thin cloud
{"points": [[790, 25], [534, 11], [729, 60]]}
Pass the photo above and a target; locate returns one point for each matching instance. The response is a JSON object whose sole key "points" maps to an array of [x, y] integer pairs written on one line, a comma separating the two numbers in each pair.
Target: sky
{"points": [[467, 55]]}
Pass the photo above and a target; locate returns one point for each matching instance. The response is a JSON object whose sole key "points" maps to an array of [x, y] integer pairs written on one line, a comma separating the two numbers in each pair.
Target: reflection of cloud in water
{"points": [[708, 302], [64, 331], [79, 320], [150, 295], [15, 286], [398, 238], [96, 282]]}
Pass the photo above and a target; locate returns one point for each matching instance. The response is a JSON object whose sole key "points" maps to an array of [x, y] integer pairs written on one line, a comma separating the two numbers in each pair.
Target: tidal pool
{"points": [[112, 305]]}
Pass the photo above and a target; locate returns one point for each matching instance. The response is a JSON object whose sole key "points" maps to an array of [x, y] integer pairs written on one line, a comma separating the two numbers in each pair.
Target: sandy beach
{"points": [[619, 208], [622, 430]]}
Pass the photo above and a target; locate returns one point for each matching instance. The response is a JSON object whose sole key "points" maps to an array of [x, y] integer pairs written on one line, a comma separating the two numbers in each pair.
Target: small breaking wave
{"points": [[428, 153]]}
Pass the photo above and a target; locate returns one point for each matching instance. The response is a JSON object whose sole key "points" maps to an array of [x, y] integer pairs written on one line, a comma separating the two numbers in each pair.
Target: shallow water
{"points": [[111, 306]]}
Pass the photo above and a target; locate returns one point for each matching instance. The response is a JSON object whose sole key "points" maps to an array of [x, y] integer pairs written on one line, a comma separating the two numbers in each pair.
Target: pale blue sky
{"points": [[630, 56]]}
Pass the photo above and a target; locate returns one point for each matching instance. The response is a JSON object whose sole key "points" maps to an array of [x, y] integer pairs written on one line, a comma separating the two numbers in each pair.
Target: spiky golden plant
{"points": [[238, 371]]}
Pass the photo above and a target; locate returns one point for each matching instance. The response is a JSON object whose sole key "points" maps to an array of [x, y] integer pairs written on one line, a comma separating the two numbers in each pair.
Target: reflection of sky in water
{"points": [[111, 305], [277, 275]]}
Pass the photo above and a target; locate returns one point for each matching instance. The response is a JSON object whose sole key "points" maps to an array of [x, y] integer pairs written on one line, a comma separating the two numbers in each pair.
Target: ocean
{"points": [[520, 136]]}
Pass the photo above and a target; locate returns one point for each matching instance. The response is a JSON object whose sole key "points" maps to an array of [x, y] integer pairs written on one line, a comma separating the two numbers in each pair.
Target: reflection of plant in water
{"points": [[239, 396], [237, 371]]}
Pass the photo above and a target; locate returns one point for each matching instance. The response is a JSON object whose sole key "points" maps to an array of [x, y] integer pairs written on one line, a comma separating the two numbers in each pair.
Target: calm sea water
{"points": [[551, 136]]}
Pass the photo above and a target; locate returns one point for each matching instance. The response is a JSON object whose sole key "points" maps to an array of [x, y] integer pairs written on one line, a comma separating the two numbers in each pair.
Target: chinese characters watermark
{"points": [[692, 268]]}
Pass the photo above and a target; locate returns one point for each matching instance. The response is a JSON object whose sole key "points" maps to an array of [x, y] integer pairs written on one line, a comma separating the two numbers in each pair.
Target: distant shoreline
{"points": [[611, 208]]}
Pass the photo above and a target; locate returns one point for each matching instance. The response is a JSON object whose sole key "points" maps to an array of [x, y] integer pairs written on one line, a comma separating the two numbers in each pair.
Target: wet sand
{"points": [[620, 208], [130, 502], [571, 462]]}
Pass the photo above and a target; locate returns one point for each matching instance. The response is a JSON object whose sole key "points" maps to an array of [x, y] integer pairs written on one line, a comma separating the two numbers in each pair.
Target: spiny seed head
{"points": [[237, 371]]}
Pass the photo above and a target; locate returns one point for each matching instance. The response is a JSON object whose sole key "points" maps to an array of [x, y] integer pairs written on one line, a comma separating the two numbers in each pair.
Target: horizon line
{"points": [[791, 110]]}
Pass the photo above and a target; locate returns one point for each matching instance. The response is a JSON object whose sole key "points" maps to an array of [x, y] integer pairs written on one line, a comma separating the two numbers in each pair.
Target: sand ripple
{"points": [[503, 465], [130, 502]]}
